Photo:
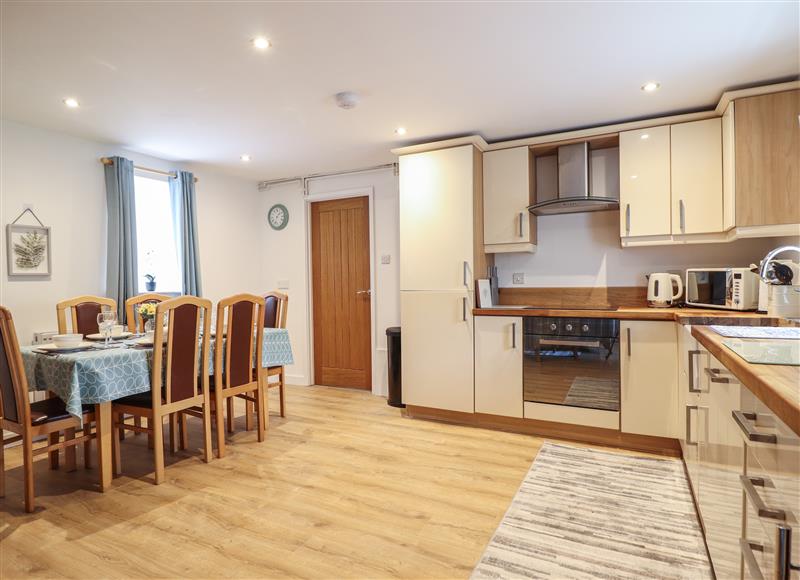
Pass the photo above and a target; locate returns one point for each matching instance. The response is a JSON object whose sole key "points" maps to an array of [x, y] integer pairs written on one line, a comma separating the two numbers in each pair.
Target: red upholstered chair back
{"points": [[84, 311], [14, 404], [276, 307], [239, 321]]}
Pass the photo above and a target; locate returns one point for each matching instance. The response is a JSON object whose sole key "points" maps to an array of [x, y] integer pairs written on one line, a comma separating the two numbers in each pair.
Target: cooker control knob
{"points": [[569, 328], [585, 328], [553, 326]]}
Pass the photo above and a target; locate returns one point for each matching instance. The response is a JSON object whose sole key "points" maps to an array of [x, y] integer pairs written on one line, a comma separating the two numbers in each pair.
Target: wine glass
{"points": [[105, 321]]}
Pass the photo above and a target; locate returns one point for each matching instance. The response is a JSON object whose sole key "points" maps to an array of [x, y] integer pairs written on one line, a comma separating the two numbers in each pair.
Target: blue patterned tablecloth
{"points": [[99, 376]]}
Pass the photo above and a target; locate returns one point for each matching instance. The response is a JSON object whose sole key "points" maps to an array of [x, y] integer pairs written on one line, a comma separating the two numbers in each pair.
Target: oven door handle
{"points": [[560, 342]]}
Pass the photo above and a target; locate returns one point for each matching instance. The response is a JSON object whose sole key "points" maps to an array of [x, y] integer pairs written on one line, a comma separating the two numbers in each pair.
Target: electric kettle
{"points": [[660, 291]]}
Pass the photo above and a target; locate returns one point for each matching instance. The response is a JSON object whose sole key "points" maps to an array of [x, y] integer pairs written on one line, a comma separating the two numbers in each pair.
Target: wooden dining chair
{"points": [[30, 420], [276, 308], [83, 313], [136, 322], [175, 387], [240, 322]]}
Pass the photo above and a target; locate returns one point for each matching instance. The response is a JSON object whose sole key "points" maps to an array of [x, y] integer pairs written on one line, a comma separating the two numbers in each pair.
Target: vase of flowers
{"points": [[148, 313], [151, 282]]}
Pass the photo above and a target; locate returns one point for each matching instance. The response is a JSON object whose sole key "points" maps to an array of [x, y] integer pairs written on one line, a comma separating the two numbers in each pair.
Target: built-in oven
{"points": [[572, 362]]}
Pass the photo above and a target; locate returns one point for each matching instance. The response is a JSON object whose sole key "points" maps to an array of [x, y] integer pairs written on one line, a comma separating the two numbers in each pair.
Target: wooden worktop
{"points": [[681, 315], [778, 386]]}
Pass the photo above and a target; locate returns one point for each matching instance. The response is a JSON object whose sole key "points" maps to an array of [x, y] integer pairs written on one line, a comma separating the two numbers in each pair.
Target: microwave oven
{"points": [[728, 288]]}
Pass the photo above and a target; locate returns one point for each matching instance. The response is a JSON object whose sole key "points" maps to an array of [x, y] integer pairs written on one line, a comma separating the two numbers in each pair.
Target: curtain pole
{"points": [[109, 161]]}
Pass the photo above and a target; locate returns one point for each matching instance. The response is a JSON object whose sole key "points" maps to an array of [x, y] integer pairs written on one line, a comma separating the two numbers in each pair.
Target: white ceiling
{"points": [[180, 80]]}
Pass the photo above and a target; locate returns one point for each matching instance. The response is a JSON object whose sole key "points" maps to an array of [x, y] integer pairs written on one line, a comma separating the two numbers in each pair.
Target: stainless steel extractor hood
{"points": [[574, 193]]}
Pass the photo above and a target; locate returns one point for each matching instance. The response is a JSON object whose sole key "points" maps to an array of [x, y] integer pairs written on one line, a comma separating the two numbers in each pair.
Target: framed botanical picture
{"points": [[28, 250]]}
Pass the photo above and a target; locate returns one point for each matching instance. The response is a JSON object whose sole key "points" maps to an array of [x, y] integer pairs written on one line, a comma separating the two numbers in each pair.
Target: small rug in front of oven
{"points": [[594, 393], [586, 513]]}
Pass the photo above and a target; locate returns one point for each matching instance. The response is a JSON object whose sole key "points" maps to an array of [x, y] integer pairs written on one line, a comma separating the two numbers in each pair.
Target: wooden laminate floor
{"points": [[343, 487]]}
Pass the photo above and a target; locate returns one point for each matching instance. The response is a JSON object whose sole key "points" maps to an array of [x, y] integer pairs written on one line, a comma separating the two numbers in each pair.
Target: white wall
{"points": [[284, 259], [584, 250], [62, 178]]}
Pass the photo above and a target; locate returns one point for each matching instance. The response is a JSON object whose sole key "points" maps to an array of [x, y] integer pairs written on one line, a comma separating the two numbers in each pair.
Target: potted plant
{"points": [[151, 282]]}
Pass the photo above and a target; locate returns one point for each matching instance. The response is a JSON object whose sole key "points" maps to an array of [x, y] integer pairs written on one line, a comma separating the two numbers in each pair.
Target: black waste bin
{"points": [[395, 370]]}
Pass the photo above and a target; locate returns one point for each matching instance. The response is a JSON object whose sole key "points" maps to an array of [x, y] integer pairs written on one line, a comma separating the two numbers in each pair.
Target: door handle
{"points": [[743, 420], [749, 484], [464, 308], [783, 553], [750, 561], [628, 219], [363, 291], [689, 409], [513, 335], [682, 211], [629, 340], [520, 224], [692, 354]]}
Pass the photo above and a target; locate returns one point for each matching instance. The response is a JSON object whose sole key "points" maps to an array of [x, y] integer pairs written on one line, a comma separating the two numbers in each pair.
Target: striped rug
{"points": [[585, 513]]}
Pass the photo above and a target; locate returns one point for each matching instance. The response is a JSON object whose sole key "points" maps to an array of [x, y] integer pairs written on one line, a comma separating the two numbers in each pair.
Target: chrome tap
{"points": [[762, 272]]}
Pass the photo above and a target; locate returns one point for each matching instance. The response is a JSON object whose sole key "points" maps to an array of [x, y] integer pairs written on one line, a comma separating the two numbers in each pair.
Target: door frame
{"points": [[369, 193]]}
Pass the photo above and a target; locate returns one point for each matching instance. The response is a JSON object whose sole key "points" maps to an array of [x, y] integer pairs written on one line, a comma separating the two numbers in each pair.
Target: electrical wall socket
{"points": [[386, 259], [518, 278]]}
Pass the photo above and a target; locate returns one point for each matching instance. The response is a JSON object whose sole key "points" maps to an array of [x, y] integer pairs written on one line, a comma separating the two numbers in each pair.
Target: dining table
{"points": [[100, 375]]}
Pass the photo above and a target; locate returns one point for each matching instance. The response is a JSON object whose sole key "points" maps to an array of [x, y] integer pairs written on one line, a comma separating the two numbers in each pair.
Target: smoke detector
{"points": [[347, 99]]}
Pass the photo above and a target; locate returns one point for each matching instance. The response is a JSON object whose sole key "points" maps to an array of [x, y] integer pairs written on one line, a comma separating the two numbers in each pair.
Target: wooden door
{"points": [[341, 292], [697, 177], [644, 181], [767, 144]]}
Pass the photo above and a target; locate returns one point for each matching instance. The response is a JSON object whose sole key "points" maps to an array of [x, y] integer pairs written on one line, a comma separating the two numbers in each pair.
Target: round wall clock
{"points": [[278, 216]]}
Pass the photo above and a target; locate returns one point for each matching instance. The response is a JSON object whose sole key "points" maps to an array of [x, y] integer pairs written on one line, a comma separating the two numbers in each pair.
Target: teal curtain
{"points": [[184, 205], [121, 270]]}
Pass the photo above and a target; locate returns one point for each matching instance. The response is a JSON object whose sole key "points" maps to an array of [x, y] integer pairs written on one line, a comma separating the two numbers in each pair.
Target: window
{"points": [[155, 235]]}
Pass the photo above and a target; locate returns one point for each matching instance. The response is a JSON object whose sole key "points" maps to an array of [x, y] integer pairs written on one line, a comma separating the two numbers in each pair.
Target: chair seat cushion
{"points": [[144, 400], [49, 410]]}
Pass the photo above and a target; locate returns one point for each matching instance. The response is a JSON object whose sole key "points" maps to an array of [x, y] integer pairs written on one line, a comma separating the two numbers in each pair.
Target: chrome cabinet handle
{"points": [[464, 309], [713, 376], [744, 419], [466, 267], [689, 409], [520, 224], [783, 553], [747, 547], [692, 354], [513, 335], [749, 484], [629, 340], [628, 219], [682, 209]]}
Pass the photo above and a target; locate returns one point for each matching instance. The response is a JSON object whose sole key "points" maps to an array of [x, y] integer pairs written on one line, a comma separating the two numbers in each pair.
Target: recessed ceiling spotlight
{"points": [[645, 136], [651, 86], [244, 157], [71, 103], [400, 131], [261, 43]]}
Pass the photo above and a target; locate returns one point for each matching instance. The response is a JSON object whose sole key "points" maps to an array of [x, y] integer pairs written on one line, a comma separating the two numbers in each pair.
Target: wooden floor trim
{"points": [[594, 435]]}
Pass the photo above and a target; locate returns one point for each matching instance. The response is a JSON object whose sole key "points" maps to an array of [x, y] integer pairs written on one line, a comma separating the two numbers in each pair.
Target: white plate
{"points": [[99, 336], [53, 348], [144, 341]]}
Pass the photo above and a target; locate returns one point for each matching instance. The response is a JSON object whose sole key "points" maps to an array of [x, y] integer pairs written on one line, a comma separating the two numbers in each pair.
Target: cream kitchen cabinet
{"points": [[644, 179], [696, 177], [690, 412], [649, 377], [507, 193], [436, 219], [437, 348], [498, 365]]}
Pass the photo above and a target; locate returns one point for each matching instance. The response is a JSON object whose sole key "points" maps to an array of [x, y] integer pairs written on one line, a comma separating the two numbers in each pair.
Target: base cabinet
{"points": [[437, 346], [648, 378], [498, 365]]}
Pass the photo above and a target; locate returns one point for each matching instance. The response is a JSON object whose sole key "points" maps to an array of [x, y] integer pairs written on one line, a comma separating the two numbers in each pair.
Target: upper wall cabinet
{"points": [[644, 176], [696, 171], [507, 225], [763, 178]]}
